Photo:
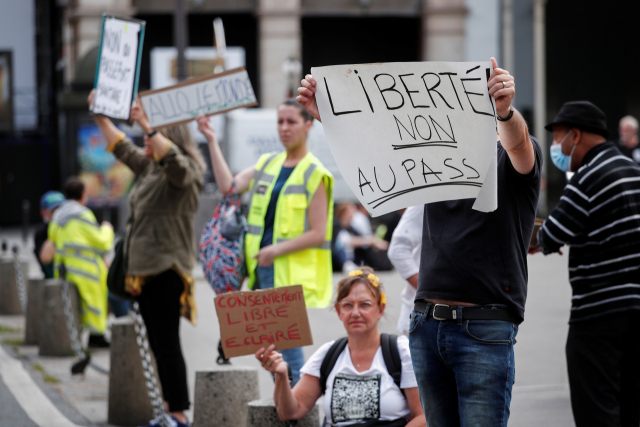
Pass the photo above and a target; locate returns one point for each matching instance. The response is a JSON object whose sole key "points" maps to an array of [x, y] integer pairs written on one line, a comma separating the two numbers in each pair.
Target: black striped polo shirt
{"points": [[599, 217]]}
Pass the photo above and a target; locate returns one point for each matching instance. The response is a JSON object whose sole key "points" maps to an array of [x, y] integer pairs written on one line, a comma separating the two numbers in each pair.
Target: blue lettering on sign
{"points": [[154, 110], [184, 106]]}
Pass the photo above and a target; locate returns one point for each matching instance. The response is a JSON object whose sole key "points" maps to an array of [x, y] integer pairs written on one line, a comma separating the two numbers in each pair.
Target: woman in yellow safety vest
{"points": [[288, 240]]}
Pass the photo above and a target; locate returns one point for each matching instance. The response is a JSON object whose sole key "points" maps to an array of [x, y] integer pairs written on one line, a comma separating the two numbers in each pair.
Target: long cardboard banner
{"points": [[255, 319], [118, 66], [405, 134], [214, 94]]}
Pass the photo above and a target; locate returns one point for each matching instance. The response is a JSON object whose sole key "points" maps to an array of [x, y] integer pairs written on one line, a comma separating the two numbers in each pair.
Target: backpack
{"points": [[390, 354], [222, 245]]}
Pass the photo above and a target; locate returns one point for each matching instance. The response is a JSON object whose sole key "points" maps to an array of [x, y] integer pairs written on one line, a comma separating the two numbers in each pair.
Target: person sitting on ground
{"points": [[350, 246], [80, 243], [358, 389]]}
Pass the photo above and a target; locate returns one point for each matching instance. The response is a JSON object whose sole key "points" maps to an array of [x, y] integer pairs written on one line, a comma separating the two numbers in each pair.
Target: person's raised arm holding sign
{"points": [[472, 283], [288, 240], [512, 129]]}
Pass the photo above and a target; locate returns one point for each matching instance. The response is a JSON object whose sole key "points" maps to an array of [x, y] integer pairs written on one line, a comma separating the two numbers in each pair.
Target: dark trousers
{"points": [[603, 360], [160, 309]]}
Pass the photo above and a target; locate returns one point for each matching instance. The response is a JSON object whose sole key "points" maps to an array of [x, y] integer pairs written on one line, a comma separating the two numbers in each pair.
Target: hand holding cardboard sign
{"points": [[307, 96], [502, 87], [271, 360]]}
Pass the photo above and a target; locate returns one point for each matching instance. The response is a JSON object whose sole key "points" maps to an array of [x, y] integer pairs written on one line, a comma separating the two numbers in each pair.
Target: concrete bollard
{"points": [[222, 395], [9, 297], [129, 403], [53, 335], [35, 288], [262, 413]]}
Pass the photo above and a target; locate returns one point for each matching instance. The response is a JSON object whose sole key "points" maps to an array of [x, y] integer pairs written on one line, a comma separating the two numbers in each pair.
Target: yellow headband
{"points": [[373, 279]]}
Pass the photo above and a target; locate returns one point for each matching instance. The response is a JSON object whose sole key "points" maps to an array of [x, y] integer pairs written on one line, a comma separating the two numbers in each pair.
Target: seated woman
{"points": [[358, 390]]}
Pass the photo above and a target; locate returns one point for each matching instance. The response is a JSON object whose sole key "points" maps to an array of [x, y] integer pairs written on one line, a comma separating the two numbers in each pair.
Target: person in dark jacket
{"points": [[598, 216]]}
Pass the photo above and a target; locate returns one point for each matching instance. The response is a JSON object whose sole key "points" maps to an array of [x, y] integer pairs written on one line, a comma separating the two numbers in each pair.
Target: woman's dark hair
{"points": [[303, 112], [364, 275], [73, 188]]}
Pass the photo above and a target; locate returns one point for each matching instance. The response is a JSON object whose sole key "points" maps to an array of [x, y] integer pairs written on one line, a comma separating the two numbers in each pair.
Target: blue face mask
{"points": [[561, 160]]}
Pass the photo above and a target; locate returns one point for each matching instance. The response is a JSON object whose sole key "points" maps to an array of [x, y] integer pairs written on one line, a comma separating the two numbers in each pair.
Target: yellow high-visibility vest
{"points": [[310, 267], [80, 245]]}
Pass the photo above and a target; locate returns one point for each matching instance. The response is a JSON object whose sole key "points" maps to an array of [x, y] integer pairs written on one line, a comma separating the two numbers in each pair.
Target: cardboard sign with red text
{"points": [[254, 319]]}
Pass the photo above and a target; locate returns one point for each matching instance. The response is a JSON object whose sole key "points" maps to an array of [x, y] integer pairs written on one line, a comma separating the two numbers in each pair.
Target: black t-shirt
{"points": [[477, 257]]}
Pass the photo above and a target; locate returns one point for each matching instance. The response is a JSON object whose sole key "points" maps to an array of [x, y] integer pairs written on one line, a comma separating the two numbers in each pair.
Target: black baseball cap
{"points": [[582, 115]]}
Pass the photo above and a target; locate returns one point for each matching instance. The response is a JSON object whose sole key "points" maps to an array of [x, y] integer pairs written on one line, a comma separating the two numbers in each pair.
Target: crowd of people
{"points": [[466, 271]]}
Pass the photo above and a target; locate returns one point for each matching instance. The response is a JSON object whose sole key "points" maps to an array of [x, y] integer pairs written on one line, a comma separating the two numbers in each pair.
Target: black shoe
{"points": [[98, 341], [221, 360]]}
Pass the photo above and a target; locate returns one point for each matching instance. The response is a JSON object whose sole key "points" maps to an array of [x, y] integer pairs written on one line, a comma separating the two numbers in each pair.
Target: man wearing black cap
{"points": [[599, 217]]}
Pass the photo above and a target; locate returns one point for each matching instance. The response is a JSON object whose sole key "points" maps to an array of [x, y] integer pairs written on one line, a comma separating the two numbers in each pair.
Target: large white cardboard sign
{"points": [[405, 134], [206, 95], [118, 67]]}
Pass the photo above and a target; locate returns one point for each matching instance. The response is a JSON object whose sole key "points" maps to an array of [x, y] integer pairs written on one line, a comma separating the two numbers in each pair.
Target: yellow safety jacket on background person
{"points": [[310, 267], [80, 244]]}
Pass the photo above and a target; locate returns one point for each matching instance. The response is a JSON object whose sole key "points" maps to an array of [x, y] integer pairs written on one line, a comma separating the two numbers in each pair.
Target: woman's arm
{"points": [[290, 404], [417, 414], [220, 167], [315, 236], [127, 152]]}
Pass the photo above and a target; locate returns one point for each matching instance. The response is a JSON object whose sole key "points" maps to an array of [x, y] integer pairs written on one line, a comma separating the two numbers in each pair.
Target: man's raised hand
{"points": [[502, 87], [307, 96]]}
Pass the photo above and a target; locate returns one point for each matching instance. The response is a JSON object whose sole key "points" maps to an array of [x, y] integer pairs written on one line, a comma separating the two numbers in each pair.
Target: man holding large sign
{"points": [[473, 268]]}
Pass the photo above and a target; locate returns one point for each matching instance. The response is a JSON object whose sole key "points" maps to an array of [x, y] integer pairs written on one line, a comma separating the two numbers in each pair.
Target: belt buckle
{"points": [[435, 307]]}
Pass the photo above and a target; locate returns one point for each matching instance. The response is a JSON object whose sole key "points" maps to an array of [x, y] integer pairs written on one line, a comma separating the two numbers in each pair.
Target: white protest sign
{"points": [[206, 95], [405, 134], [117, 71]]}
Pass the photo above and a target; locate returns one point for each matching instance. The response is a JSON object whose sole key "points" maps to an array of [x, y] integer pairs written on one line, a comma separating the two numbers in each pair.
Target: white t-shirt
{"points": [[353, 396]]}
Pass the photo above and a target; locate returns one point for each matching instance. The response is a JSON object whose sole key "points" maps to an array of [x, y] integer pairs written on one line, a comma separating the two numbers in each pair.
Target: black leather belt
{"points": [[460, 313]]}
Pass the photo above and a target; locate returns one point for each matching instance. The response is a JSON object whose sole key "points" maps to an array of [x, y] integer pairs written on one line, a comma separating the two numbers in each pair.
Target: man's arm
{"points": [[566, 221], [514, 134]]}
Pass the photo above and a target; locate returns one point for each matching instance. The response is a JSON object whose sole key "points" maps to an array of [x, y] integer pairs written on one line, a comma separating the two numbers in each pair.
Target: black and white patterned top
{"points": [[599, 217], [353, 396]]}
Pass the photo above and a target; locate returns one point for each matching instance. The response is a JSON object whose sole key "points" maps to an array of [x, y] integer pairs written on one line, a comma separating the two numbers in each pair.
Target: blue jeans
{"points": [[293, 356], [119, 306], [465, 370]]}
